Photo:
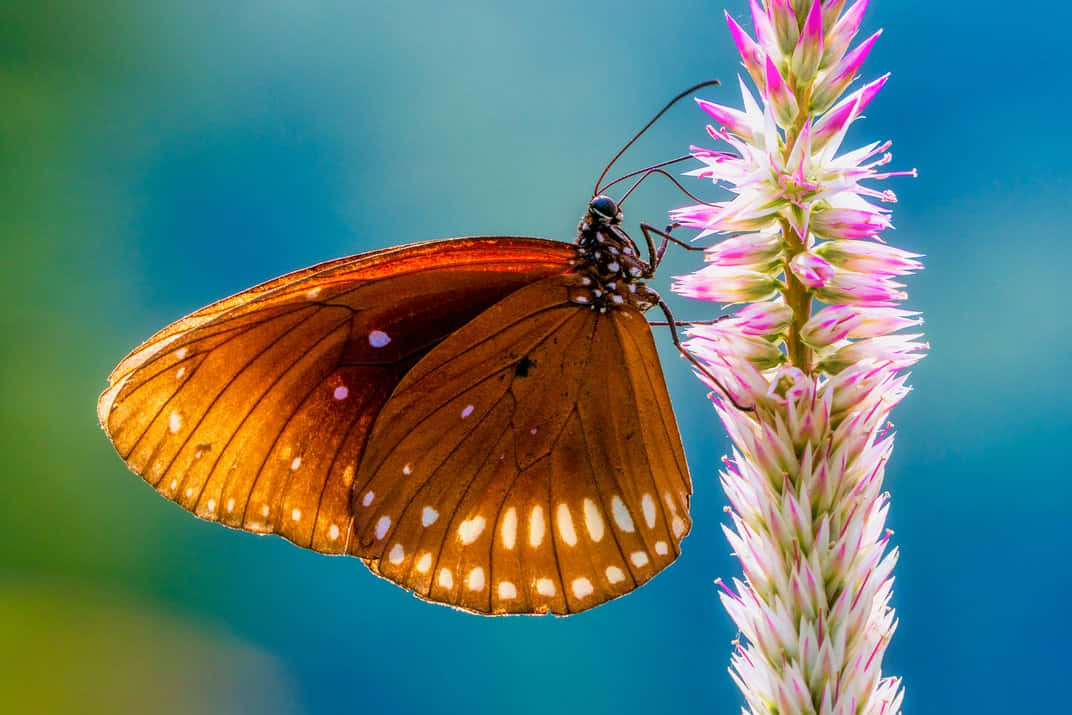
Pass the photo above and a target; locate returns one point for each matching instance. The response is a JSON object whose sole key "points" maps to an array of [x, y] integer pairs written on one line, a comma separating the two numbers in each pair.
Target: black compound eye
{"points": [[604, 206]]}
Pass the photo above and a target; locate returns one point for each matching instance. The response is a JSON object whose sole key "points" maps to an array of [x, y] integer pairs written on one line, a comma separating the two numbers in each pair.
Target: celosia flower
{"points": [[802, 226]]}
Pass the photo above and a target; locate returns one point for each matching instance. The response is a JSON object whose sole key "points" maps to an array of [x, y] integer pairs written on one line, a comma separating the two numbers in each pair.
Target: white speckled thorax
{"points": [[609, 272]]}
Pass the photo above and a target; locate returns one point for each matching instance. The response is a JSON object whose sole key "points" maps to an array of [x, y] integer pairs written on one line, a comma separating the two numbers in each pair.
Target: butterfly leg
{"points": [[719, 319], [671, 323], [656, 254]]}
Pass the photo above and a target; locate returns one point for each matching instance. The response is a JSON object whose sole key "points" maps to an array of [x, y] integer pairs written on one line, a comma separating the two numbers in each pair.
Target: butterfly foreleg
{"points": [[656, 254], [719, 319], [672, 324]]}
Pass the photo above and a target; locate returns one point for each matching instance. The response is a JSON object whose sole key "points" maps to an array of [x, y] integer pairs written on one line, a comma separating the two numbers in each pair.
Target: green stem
{"points": [[796, 294], [799, 301]]}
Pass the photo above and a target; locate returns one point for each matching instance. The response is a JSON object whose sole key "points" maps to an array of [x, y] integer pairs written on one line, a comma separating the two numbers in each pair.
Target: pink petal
{"points": [[831, 87], [752, 55], [809, 49], [812, 270], [840, 36], [779, 95], [845, 112], [734, 120]]}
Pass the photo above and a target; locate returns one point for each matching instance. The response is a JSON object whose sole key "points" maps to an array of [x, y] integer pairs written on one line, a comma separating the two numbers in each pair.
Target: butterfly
{"points": [[483, 421]]}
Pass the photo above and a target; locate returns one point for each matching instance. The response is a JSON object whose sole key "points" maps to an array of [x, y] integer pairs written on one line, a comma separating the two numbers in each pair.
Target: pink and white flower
{"points": [[802, 226]]}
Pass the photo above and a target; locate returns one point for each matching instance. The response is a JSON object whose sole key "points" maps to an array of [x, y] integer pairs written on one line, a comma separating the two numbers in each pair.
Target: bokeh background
{"points": [[157, 156]]}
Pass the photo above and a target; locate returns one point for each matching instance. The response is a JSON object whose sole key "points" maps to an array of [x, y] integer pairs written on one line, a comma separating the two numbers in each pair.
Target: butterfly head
{"points": [[602, 210]]}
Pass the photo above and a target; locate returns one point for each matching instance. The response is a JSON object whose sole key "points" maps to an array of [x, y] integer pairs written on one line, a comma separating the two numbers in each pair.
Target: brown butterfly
{"points": [[483, 421]]}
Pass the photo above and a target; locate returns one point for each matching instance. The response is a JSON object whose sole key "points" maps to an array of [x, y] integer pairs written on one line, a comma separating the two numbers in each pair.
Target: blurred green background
{"points": [[157, 156]]}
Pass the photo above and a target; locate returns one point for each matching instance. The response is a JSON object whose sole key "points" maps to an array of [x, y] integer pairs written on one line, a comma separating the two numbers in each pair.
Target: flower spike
{"points": [[802, 226]]}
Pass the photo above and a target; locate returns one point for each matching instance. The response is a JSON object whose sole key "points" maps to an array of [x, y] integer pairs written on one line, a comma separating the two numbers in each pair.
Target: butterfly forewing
{"points": [[521, 466], [255, 410]]}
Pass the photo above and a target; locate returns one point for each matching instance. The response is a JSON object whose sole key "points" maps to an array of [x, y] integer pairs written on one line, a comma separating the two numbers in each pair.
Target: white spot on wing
{"points": [[367, 499], [615, 574], [211, 505], [545, 587], [582, 587], [475, 580], [407, 468], [661, 548], [536, 526], [265, 510], [621, 515], [446, 578], [467, 411], [180, 373], [565, 525], [639, 558], [230, 505], [648, 505], [470, 529], [295, 463], [296, 515], [397, 554], [333, 532], [174, 422], [341, 392], [378, 338], [593, 520], [429, 516], [509, 528], [382, 526], [507, 590], [181, 352], [424, 563], [678, 526]]}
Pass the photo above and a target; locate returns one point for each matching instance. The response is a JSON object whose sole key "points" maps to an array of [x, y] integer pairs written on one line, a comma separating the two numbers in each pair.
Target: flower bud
{"points": [[781, 99], [898, 350], [722, 285], [747, 249], [847, 223], [839, 322], [809, 49], [786, 28], [734, 120], [841, 32], [726, 339], [860, 289], [840, 76], [751, 54], [868, 257], [812, 270], [765, 318]]}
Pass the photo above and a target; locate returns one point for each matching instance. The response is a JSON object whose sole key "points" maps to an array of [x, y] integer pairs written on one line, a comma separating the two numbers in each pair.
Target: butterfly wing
{"points": [[254, 410], [529, 463]]}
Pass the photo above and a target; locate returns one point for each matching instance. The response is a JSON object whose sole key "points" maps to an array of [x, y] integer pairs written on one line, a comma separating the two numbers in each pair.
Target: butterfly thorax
{"points": [[609, 271]]}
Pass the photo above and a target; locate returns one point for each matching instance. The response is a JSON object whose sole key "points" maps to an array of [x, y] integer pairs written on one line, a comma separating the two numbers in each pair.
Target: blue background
{"points": [[157, 156]]}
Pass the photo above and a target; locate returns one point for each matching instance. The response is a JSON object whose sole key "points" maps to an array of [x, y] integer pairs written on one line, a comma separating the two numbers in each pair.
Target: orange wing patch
{"points": [[254, 411]]}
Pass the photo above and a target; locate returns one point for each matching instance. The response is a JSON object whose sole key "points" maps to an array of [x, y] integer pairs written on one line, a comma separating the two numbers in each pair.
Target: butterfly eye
{"points": [[603, 207]]}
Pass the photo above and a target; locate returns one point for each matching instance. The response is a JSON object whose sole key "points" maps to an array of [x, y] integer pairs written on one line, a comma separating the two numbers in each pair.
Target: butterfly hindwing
{"points": [[255, 410], [521, 466]]}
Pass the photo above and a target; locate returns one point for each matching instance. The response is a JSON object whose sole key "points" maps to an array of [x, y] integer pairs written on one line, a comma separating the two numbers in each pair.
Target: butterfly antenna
{"points": [[638, 172], [664, 110], [674, 181]]}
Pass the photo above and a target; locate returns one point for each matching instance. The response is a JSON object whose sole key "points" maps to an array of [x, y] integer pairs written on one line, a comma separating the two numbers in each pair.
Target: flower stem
{"points": [[798, 300], [796, 293]]}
